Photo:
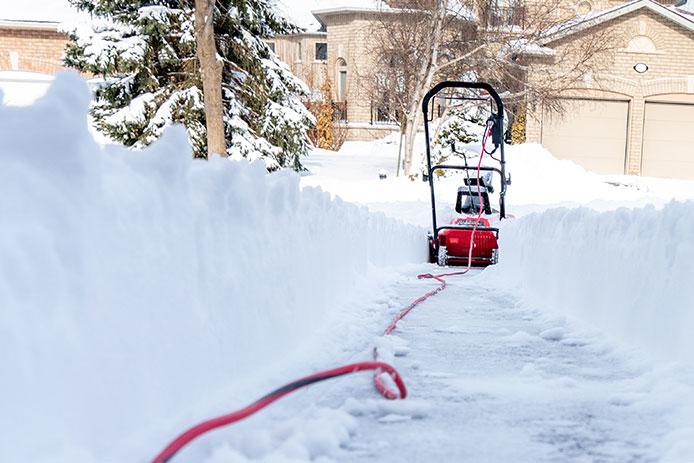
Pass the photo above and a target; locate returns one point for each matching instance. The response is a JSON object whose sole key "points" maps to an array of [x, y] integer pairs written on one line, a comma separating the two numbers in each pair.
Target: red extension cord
{"points": [[379, 368]]}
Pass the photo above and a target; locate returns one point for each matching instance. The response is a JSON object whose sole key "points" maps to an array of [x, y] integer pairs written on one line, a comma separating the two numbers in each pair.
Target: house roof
{"points": [[302, 12], [321, 15], [592, 19], [32, 25]]}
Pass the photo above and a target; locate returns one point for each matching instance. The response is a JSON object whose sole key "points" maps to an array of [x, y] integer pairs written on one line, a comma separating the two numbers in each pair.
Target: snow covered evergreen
{"points": [[462, 125], [146, 53]]}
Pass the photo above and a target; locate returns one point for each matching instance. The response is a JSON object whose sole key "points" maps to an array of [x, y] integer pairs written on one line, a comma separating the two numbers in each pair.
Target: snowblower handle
{"points": [[495, 123], [460, 84]]}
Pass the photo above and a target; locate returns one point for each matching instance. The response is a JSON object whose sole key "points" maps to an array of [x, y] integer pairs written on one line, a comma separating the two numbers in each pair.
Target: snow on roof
{"points": [[687, 7], [300, 12], [527, 47], [28, 24]]}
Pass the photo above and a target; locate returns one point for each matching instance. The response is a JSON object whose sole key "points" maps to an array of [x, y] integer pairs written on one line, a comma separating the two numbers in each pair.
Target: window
{"points": [[321, 51], [501, 13], [383, 111], [341, 80], [641, 44], [299, 52], [343, 85], [272, 46]]}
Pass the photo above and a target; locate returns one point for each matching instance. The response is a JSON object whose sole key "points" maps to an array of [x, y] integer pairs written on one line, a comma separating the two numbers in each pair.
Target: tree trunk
{"points": [[411, 126], [424, 78], [211, 71]]}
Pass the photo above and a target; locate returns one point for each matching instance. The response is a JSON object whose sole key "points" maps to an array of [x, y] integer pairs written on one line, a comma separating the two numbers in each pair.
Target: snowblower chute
{"points": [[470, 238]]}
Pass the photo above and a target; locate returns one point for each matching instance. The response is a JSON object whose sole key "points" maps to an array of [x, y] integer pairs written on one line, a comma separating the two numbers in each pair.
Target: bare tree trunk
{"points": [[424, 78], [211, 70], [411, 127]]}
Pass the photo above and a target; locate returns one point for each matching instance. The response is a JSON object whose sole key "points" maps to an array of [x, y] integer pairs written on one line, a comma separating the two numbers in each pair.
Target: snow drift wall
{"points": [[134, 282], [629, 272]]}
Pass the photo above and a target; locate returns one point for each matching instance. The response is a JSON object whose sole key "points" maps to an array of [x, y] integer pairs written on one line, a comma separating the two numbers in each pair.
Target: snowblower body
{"points": [[470, 238]]}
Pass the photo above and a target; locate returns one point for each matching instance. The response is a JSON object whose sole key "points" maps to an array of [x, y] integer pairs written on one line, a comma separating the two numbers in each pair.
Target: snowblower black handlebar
{"points": [[459, 84], [497, 127]]}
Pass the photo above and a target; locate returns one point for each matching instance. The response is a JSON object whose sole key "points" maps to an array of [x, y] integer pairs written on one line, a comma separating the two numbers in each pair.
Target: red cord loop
{"points": [[206, 426]]}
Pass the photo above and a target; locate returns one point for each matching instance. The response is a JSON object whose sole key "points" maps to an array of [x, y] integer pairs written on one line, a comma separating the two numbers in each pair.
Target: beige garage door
{"points": [[668, 141], [592, 133]]}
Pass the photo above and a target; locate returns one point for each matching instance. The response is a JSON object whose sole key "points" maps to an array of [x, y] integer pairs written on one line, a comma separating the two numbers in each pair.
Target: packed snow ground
{"points": [[142, 292], [607, 253], [490, 380]]}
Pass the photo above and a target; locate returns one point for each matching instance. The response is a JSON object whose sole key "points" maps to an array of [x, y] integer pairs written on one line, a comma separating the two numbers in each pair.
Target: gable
{"points": [[586, 22]]}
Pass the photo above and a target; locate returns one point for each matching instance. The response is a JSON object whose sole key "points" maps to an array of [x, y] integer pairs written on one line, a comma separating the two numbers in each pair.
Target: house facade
{"points": [[30, 54], [636, 118], [340, 51]]}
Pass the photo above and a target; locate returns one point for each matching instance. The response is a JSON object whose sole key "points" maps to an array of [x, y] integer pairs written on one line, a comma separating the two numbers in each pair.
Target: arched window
{"points": [[641, 44], [341, 79]]}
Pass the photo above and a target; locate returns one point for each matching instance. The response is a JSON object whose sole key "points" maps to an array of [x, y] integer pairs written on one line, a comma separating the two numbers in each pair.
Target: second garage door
{"points": [[668, 141], [592, 133]]}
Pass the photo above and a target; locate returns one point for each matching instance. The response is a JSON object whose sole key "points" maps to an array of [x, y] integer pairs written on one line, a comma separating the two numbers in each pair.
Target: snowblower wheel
{"points": [[443, 256], [431, 250]]}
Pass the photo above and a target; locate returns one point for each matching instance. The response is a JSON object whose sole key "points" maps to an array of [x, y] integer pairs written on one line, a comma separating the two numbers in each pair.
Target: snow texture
{"points": [[628, 272], [137, 285]]}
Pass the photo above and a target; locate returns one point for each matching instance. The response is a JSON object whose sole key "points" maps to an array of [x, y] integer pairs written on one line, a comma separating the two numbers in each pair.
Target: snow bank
{"points": [[540, 178], [135, 283], [627, 272]]}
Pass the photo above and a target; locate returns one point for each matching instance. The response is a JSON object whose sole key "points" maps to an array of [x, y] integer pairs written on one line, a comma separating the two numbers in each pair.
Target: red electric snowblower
{"points": [[470, 238]]}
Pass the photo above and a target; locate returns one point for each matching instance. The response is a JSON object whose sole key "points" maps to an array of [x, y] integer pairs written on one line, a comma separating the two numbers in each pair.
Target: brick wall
{"points": [[350, 39], [299, 53], [32, 50]]}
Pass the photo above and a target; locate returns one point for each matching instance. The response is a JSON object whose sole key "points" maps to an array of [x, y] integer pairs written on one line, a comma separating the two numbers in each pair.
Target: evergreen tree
{"points": [[464, 125], [145, 50]]}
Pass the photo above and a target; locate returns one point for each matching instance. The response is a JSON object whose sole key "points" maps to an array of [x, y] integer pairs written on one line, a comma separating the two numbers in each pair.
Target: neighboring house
{"points": [[638, 117], [30, 54], [336, 46]]}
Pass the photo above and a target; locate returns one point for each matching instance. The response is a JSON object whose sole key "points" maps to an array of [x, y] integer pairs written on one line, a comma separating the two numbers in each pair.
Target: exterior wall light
{"points": [[640, 67]]}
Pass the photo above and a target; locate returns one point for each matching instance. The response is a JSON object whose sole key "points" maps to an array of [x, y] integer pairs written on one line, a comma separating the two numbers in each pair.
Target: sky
{"points": [[60, 10], [299, 11], [37, 10]]}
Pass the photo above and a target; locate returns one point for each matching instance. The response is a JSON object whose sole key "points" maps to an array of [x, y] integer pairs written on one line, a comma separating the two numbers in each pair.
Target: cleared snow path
{"points": [[506, 384], [489, 381]]}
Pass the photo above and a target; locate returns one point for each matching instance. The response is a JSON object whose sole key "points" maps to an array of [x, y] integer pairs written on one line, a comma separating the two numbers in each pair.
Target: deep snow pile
{"points": [[134, 285], [540, 181], [627, 272]]}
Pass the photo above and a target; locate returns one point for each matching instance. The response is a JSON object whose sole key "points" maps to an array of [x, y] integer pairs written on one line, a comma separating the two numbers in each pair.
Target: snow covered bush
{"points": [[136, 284], [627, 272], [462, 125], [147, 56]]}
